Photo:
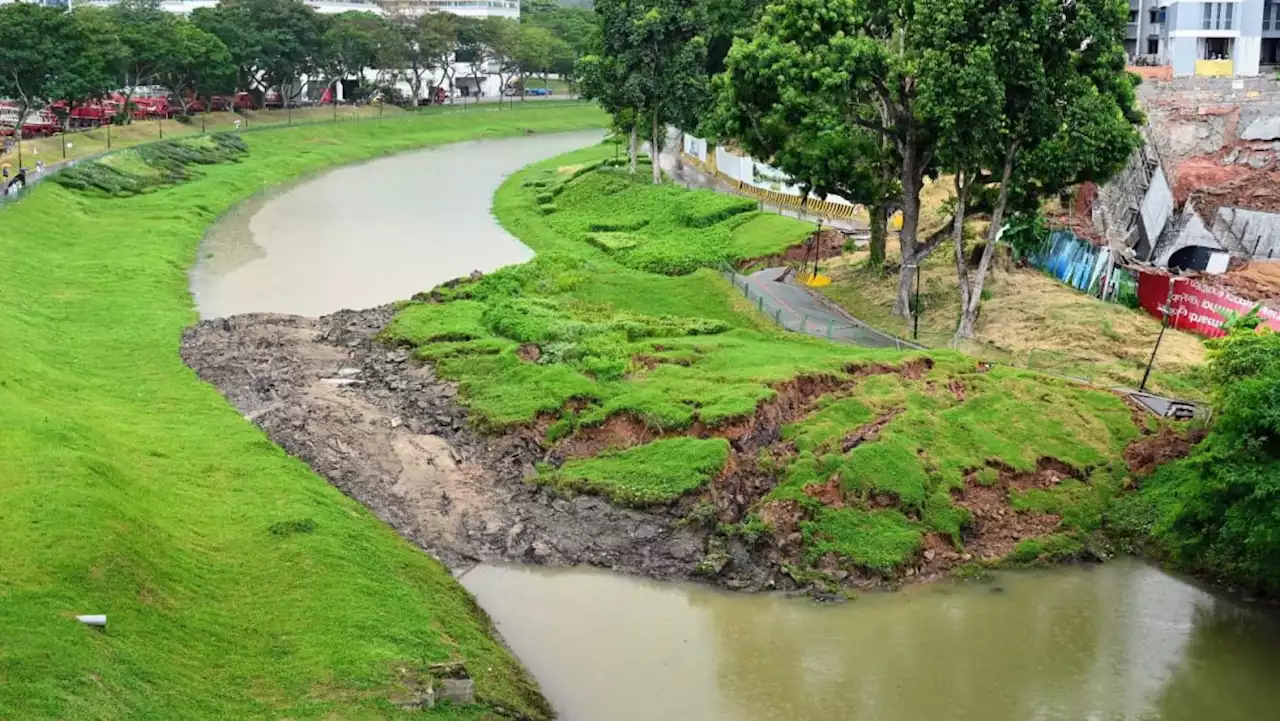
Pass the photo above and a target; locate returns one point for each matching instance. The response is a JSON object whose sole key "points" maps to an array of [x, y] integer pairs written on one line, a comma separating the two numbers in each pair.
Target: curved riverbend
{"points": [[368, 234], [1118, 641]]}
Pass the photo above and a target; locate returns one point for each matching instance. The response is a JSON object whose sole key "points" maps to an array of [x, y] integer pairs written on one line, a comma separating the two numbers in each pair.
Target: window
{"points": [[1155, 16], [1133, 16], [1269, 19], [1218, 16], [1216, 49], [1153, 46]]}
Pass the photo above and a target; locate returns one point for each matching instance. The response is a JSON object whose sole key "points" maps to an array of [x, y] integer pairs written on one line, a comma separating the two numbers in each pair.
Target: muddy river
{"points": [[1122, 641], [368, 234], [1118, 641]]}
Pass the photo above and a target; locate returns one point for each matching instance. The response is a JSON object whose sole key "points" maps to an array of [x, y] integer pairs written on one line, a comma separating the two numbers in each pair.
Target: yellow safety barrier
{"points": [[815, 206], [1215, 68]]}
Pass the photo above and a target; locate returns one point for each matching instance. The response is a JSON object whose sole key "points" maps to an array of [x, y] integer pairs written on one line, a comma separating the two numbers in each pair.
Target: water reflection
{"points": [[368, 234], [1122, 641]]}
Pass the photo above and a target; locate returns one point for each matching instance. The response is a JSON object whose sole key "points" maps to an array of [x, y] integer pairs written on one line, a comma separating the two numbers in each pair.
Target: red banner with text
{"points": [[1195, 306]]}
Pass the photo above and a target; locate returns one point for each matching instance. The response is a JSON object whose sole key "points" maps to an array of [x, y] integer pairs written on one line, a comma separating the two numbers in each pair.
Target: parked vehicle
{"points": [[539, 92]]}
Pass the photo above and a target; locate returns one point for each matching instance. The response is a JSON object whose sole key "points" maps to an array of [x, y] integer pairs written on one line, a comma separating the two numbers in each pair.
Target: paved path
{"points": [[799, 309]]}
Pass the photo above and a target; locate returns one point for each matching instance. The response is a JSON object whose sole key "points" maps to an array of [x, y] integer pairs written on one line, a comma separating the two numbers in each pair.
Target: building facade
{"points": [[1221, 38]]}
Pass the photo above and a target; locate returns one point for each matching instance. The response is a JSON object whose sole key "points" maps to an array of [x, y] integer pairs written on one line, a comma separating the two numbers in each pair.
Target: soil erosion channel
{"points": [[1122, 641]]}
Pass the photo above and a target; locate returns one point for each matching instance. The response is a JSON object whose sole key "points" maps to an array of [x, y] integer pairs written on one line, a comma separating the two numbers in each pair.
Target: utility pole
{"points": [[1164, 323]]}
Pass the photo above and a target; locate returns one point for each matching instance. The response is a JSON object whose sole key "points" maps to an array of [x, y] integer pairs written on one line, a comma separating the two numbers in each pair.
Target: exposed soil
{"points": [[1168, 444], [391, 435], [386, 431]]}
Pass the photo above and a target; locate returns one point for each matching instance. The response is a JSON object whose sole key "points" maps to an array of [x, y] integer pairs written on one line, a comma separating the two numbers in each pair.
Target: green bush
{"points": [[1218, 511]]}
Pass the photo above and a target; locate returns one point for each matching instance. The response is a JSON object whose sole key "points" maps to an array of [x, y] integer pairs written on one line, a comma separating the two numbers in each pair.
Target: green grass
{"points": [[656, 473], [130, 488], [664, 229], [685, 352]]}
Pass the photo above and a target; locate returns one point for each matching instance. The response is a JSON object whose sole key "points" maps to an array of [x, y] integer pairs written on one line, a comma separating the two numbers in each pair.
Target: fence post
{"points": [[804, 324], [830, 326], [760, 305], [777, 316]]}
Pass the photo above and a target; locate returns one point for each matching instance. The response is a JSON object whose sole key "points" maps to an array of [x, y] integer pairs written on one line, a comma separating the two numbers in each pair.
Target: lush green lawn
{"points": [[591, 330], [237, 583]]}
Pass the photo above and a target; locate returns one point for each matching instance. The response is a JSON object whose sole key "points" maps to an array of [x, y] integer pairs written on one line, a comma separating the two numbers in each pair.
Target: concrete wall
{"points": [[1157, 206], [1249, 233]]}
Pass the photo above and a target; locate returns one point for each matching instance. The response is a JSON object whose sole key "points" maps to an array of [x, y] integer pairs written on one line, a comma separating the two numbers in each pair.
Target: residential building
{"points": [[1142, 34], [1217, 38]]}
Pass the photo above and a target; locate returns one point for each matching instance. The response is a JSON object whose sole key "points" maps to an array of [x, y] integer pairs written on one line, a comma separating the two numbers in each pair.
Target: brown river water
{"points": [[1121, 641]]}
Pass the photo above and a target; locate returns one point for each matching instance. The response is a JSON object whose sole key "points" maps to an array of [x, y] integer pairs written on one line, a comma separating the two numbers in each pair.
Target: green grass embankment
{"points": [[237, 583], [633, 339]]}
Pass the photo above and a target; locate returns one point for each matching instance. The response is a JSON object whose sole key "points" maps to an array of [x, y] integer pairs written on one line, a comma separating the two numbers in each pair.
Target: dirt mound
{"points": [[1169, 444]]}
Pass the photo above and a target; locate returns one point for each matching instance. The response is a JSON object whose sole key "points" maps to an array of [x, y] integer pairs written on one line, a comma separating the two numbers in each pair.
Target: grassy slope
{"points": [[1029, 311], [83, 143], [128, 487], [603, 350]]}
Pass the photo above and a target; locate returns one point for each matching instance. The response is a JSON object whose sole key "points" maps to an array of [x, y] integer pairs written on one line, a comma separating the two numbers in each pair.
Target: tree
{"points": [[351, 42], [575, 28], [46, 54], [147, 33], [439, 42], [500, 40], [272, 42], [471, 48], [1054, 109], [811, 141], [604, 80], [656, 45], [535, 51], [197, 62], [847, 72]]}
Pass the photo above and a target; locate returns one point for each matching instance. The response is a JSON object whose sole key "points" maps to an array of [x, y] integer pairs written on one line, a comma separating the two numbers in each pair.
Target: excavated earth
{"points": [[390, 434], [382, 428]]}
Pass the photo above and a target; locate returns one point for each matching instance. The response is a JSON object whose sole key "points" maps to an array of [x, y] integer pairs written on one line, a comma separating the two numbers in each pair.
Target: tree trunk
{"points": [[879, 234], [655, 151], [633, 147], [957, 236], [905, 280], [969, 309], [911, 185], [679, 154]]}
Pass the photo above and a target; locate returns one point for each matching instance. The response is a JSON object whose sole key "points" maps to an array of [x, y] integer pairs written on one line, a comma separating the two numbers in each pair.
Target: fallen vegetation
{"points": [[835, 464], [237, 583]]}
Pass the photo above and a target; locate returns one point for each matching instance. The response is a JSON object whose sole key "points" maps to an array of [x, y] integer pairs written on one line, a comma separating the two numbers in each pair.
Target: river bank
{"points": [[236, 581], [540, 394]]}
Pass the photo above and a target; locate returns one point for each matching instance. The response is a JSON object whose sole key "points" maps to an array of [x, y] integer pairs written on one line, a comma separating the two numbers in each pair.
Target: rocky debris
{"points": [[394, 437], [458, 690]]}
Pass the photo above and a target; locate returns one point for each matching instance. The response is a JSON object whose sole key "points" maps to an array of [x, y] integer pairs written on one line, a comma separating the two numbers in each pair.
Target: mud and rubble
{"points": [[387, 432], [391, 435]]}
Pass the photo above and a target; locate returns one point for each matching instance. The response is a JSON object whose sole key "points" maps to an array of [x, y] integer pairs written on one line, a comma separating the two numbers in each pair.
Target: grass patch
{"points": [[1030, 319], [656, 473], [878, 540], [668, 230], [128, 487]]}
